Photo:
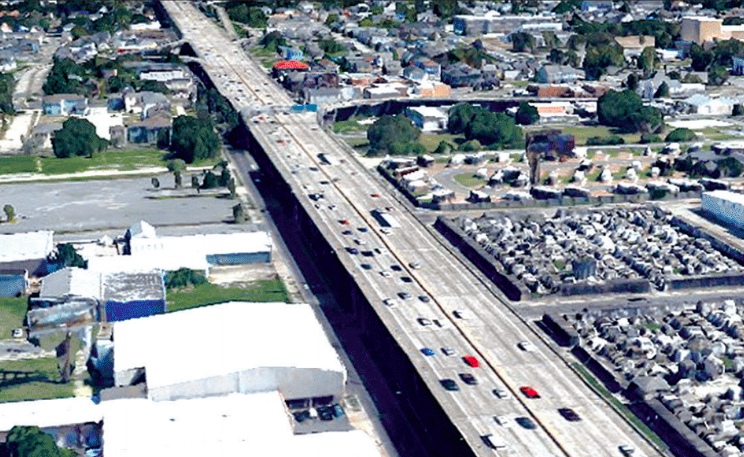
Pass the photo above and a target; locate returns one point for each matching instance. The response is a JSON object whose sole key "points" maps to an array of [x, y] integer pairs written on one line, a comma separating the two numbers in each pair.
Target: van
{"points": [[493, 441]]}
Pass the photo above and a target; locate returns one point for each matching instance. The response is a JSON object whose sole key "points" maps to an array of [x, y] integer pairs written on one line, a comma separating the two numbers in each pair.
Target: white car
{"points": [[388, 302], [504, 421], [415, 265], [18, 333], [500, 393], [386, 274], [461, 314], [526, 346]]}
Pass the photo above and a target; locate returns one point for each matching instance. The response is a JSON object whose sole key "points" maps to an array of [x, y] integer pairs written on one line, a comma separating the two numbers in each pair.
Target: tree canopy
{"points": [[681, 135], [7, 83], [389, 132], [67, 256], [77, 138], [522, 42], [251, 16], [194, 139], [625, 111], [497, 130], [25, 441], [526, 114]]}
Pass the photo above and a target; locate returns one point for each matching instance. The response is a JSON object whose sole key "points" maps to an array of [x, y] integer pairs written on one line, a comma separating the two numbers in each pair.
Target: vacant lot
{"points": [[41, 383], [271, 290], [12, 312]]}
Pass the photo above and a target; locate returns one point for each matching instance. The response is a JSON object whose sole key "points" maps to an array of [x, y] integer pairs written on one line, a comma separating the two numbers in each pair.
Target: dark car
{"points": [[427, 351], [529, 392], [338, 410], [404, 295], [395, 267], [569, 414], [468, 379], [525, 422], [354, 251], [449, 384], [325, 413], [347, 232], [424, 298], [301, 415], [366, 266]]}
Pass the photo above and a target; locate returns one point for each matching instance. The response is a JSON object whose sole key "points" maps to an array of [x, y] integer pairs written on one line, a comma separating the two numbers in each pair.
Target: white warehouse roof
{"points": [[232, 425], [49, 413], [72, 281], [26, 246], [201, 343], [146, 263], [727, 195], [231, 243]]}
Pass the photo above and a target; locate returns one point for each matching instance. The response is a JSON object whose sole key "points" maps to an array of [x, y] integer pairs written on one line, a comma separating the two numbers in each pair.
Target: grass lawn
{"points": [[469, 180], [111, 159], [350, 125], [17, 164], [12, 312], [42, 384], [269, 290], [432, 140], [584, 132]]}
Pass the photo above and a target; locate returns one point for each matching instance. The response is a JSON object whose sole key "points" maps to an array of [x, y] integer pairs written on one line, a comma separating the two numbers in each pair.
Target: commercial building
{"points": [[218, 249], [26, 251], [192, 353], [699, 29], [493, 22], [427, 118], [725, 205]]}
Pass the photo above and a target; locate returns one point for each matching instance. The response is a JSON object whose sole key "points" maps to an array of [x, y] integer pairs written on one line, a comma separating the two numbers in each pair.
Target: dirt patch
{"points": [[241, 274]]}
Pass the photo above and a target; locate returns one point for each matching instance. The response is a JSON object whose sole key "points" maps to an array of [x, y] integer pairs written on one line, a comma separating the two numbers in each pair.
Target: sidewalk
{"points": [[25, 177]]}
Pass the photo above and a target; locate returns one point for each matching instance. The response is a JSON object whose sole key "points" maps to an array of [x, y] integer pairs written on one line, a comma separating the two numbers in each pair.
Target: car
{"points": [[449, 384], [526, 346], [626, 449], [363, 229], [569, 414], [406, 279], [525, 422], [354, 251], [376, 195], [366, 266], [368, 253], [500, 393], [404, 295], [468, 379], [347, 232], [470, 360], [395, 267], [440, 323], [385, 230], [529, 392], [415, 265], [301, 415], [380, 250], [427, 351], [332, 207], [448, 351], [461, 314], [343, 221], [386, 274], [337, 410], [424, 321], [388, 302], [360, 242], [316, 196], [325, 413], [424, 298], [493, 441], [17, 333], [504, 421]]}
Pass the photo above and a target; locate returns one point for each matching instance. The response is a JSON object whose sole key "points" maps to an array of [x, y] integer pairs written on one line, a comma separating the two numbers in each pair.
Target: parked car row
{"points": [[324, 413]]}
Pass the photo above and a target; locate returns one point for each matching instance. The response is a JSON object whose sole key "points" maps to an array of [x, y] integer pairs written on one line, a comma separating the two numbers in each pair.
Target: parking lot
{"points": [[111, 204]]}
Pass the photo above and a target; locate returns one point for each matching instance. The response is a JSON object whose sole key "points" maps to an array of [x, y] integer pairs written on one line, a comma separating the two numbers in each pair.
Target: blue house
{"points": [[133, 295], [149, 130], [290, 53], [65, 104]]}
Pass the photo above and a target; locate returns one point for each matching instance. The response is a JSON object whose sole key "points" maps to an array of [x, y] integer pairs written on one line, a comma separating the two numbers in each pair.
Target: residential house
{"points": [[738, 66], [635, 44], [145, 103], [432, 89], [392, 67], [552, 74], [461, 75], [554, 111], [415, 74], [42, 134], [28, 251], [291, 53], [150, 130], [388, 90], [65, 104], [432, 69], [360, 79], [428, 118], [326, 95], [703, 104], [360, 64]]}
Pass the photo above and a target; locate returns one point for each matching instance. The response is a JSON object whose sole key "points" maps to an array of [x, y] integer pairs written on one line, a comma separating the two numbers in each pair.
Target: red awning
{"points": [[291, 65]]}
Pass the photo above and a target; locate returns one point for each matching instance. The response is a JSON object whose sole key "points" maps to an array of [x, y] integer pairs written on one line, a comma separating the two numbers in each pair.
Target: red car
{"points": [[470, 360], [376, 195], [529, 392], [344, 222]]}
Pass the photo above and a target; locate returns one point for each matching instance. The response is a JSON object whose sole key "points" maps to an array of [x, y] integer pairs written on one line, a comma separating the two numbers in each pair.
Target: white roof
{"points": [[193, 245], [233, 425], [142, 230], [49, 413], [146, 263], [726, 195], [264, 334], [26, 246], [73, 280]]}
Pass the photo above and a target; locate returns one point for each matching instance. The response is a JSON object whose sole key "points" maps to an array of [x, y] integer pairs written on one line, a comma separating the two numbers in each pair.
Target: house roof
{"points": [[26, 246], [141, 229], [71, 281], [290, 65], [56, 98], [636, 41], [126, 286], [264, 334]]}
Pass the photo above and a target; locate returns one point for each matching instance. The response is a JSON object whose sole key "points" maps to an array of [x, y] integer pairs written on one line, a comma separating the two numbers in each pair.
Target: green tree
{"points": [[444, 148], [625, 111], [194, 139], [154, 86], [551, 40], [273, 40], [9, 213], [58, 80], [526, 114], [460, 116], [522, 41], [239, 214], [195, 182], [30, 441], [7, 85], [176, 166], [388, 130], [566, 7], [331, 19], [77, 138], [700, 58], [251, 16], [717, 75], [184, 277], [646, 60], [632, 82], [681, 135], [497, 130], [662, 91], [155, 183], [598, 58], [67, 256], [210, 180], [692, 78]]}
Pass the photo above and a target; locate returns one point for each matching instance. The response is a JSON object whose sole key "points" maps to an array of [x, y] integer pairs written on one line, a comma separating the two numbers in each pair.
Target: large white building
{"points": [[725, 205], [26, 251], [235, 347]]}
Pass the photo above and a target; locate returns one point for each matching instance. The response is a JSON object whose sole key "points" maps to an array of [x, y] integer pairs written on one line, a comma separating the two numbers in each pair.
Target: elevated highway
{"points": [[424, 283]]}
